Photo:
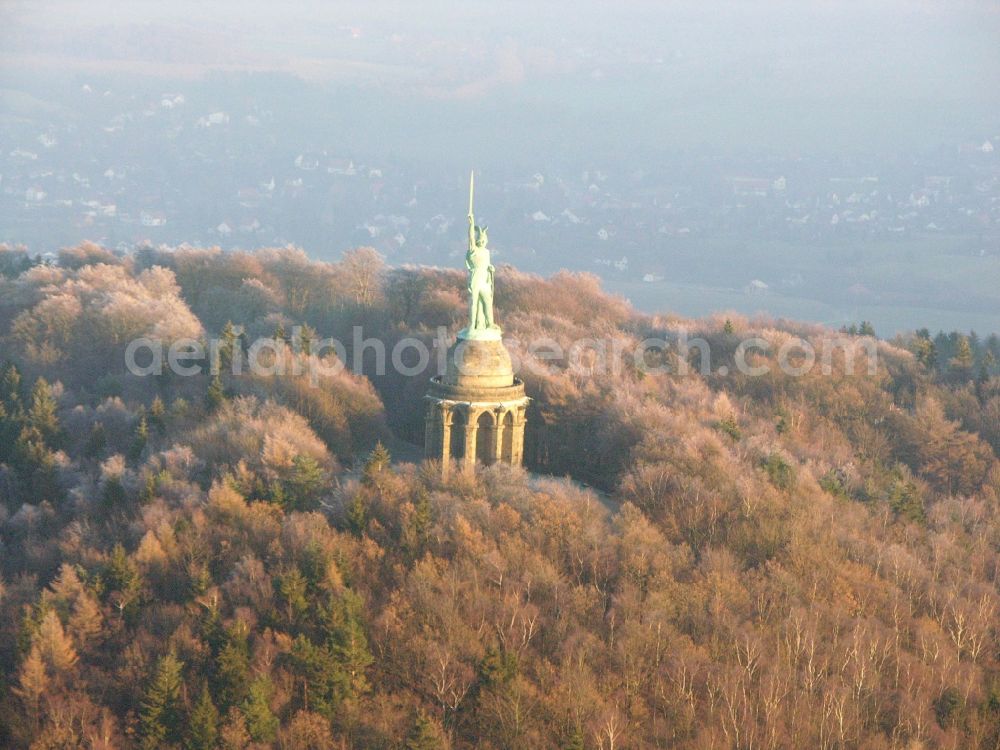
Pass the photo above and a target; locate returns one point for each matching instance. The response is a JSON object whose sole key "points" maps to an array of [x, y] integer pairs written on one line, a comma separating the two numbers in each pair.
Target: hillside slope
{"points": [[796, 560]]}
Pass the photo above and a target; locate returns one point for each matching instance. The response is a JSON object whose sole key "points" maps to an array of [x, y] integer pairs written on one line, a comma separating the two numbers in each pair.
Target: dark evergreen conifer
{"points": [[159, 712]]}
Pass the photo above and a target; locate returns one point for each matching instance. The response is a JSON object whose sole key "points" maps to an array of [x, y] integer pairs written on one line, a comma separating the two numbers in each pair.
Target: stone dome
{"points": [[475, 364]]}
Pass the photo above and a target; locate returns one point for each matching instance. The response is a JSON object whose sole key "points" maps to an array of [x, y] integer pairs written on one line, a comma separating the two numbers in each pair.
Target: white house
{"points": [[342, 167], [439, 224], [307, 162], [152, 218], [216, 118]]}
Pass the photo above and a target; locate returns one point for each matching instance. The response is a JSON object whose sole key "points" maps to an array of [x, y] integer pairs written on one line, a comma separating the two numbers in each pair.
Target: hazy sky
{"points": [[917, 47], [764, 72]]}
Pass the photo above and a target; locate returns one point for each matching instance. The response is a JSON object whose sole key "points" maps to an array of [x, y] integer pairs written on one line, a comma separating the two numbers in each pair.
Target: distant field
{"points": [[321, 69], [938, 282], [692, 300]]}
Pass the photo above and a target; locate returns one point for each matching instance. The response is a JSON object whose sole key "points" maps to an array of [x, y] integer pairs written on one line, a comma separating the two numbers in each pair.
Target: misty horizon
{"points": [[665, 100]]}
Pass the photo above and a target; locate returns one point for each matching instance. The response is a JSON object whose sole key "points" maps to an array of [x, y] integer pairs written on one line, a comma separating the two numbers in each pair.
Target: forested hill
{"points": [[234, 561]]}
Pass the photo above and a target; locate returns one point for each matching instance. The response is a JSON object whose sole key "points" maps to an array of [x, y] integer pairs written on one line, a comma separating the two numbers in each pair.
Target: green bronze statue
{"points": [[481, 273]]}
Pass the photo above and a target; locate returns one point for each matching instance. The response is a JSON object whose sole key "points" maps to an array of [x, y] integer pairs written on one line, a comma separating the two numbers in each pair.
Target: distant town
{"points": [[127, 168]]}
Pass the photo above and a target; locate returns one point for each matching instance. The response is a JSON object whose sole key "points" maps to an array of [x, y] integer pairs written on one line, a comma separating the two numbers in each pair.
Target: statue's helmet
{"points": [[481, 235]]}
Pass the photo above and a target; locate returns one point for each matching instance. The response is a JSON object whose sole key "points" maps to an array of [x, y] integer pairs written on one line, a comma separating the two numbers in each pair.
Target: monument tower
{"points": [[476, 410]]}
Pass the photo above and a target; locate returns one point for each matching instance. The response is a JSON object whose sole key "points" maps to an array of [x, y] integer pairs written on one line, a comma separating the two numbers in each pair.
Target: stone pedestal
{"points": [[476, 410]]}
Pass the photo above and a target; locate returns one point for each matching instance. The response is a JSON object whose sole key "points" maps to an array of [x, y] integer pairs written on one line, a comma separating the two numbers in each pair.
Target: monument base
{"points": [[481, 334], [479, 363], [476, 410]]}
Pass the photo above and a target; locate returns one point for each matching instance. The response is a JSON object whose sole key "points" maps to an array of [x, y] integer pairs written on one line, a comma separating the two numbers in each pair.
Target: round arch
{"points": [[484, 437], [457, 441]]}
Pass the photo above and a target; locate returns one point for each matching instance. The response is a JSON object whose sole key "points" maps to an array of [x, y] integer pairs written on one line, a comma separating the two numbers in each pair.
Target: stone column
{"points": [[445, 452], [498, 428], [517, 444], [471, 431], [430, 430]]}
